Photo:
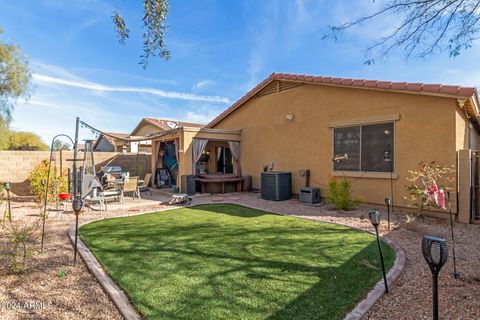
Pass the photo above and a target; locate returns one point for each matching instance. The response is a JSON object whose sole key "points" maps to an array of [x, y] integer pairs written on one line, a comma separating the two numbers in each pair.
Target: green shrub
{"points": [[56, 184], [19, 140], [339, 195], [19, 238]]}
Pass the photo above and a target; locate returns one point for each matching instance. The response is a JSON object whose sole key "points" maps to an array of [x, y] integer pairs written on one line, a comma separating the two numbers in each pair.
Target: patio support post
{"points": [[76, 202]]}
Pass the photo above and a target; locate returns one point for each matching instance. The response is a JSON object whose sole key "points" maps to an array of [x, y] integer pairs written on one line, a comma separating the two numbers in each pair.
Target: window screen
{"points": [[347, 141], [365, 146], [376, 140]]}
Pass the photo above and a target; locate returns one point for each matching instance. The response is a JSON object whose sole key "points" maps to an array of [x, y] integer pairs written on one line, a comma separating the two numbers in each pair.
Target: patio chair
{"points": [[143, 185], [131, 186]]}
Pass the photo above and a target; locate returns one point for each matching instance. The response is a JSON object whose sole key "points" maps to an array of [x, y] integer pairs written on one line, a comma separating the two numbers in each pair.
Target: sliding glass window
{"points": [[364, 148]]}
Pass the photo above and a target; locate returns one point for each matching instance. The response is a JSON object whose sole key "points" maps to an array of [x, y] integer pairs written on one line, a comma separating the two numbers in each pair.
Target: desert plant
{"points": [[56, 184], [428, 176], [19, 140], [19, 238], [339, 194]]}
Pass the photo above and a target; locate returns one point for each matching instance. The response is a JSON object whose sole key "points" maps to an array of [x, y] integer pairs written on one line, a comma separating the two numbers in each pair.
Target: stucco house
{"points": [[296, 122], [149, 126], [107, 143]]}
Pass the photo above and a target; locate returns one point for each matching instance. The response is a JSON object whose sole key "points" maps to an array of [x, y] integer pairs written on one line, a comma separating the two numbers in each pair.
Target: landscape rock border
{"points": [[126, 309]]}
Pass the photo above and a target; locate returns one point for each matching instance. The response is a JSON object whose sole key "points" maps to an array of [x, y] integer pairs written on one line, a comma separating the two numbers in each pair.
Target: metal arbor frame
{"points": [[45, 200]]}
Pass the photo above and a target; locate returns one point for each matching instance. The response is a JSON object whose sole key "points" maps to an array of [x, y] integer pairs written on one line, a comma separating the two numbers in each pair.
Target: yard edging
{"points": [[116, 294], [128, 311]]}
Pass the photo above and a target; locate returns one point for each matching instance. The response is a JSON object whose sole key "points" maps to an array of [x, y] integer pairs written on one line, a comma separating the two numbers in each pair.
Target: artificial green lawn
{"points": [[230, 262]]}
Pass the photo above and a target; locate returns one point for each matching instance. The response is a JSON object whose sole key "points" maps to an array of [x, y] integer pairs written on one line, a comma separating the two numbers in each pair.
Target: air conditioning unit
{"points": [[276, 185]]}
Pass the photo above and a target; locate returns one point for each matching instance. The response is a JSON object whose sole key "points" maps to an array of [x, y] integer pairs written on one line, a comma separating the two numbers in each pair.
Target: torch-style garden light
{"points": [[455, 273], [374, 217], [435, 252], [77, 204], [388, 202], [8, 187]]}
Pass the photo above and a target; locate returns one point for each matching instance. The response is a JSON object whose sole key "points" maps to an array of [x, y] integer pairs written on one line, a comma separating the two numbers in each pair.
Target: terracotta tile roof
{"points": [[111, 140], [423, 88], [163, 124]]}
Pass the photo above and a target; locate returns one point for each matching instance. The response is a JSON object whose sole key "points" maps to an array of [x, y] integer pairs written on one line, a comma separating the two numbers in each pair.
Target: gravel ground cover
{"points": [[77, 295]]}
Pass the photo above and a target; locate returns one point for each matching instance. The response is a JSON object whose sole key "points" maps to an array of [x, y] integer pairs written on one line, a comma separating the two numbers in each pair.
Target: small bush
{"points": [[422, 181], [19, 239], [56, 184], [339, 194], [26, 141]]}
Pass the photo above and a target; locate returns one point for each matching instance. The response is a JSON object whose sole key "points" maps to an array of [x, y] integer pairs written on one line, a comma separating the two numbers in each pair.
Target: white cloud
{"points": [[200, 85], [197, 117], [42, 104], [93, 86]]}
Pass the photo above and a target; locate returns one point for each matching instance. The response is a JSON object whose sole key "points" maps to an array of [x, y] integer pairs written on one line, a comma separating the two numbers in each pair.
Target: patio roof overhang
{"points": [[197, 133], [471, 107]]}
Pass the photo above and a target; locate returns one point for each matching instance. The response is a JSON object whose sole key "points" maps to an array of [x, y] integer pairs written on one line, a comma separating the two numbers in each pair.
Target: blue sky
{"points": [[220, 50]]}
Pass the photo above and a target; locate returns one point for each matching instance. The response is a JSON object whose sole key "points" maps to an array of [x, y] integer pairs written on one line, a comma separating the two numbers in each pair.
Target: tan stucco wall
{"points": [[146, 129], [462, 130], [425, 131], [16, 166]]}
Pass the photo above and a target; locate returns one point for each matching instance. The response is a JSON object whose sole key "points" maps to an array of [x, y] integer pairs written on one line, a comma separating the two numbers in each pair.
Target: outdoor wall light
{"points": [[289, 117], [388, 202], [387, 156], [435, 252], [374, 217]]}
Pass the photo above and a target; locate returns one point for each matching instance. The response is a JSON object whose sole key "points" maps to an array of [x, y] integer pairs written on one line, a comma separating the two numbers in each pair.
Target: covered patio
{"points": [[184, 157]]}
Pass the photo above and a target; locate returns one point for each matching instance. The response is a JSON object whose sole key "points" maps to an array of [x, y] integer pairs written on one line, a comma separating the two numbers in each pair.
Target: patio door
{"points": [[224, 160]]}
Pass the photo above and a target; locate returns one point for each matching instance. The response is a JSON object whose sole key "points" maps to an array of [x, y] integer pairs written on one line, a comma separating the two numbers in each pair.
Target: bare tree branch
{"points": [[428, 27]]}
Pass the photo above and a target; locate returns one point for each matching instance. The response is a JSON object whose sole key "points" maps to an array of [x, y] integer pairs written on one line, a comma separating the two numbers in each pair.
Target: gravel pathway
{"points": [[77, 295]]}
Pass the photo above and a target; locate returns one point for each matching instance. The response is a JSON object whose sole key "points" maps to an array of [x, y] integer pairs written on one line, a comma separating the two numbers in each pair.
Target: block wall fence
{"points": [[16, 166]]}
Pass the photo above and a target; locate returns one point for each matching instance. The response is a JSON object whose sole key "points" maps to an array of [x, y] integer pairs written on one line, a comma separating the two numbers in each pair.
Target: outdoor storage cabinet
{"points": [[276, 185], [309, 195], [189, 184]]}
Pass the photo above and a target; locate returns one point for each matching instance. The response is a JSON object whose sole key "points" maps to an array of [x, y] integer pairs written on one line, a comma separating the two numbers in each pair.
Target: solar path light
{"points": [[8, 187], [388, 202], [455, 273], [374, 217], [77, 204], [435, 252]]}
